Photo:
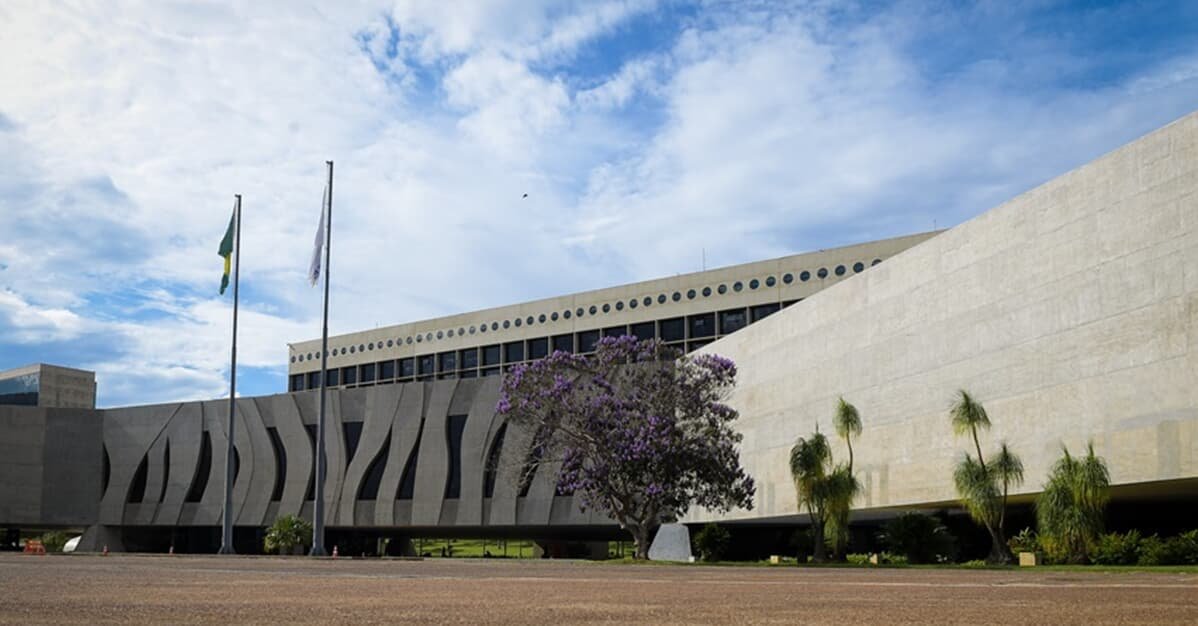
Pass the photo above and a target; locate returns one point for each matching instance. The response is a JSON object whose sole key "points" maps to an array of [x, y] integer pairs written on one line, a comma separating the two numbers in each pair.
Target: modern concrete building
{"points": [[49, 386], [1069, 311]]}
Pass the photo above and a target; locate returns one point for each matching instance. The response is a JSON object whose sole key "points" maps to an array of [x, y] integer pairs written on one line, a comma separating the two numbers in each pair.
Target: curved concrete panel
{"points": [[251, 510], [290, 426], [483, 393], [433, 468], [379, 415], [405, 430], [183, 433]]}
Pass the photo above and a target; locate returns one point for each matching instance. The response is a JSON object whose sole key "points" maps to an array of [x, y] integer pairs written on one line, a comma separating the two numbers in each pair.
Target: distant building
{"points": [[48, 386]]}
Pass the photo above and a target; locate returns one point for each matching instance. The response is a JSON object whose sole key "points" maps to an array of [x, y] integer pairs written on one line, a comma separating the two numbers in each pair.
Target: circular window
{"points": [[593, 310], [770, 282], [309, 356], [507, 323], [352, 350], [518, 322], [566, 314], [620, 305], [788, 278], [606, 308], [551, 317], [372, 345], [876, 261], [661, 298], [722, 289], [428, 337], [461, 331], [449, 333], [690, 294], [541, 317], [472, 329], [293, 359], [440, 334], [753, 284], [804, 276], [482, 329], [840, 270], [495, 326], [390, 343], [580, 312], [419, 338], [647, 301], [858, 267], [677, 296], [822, 273], [529, 320], [706, 292], [361, 348], [632, 304], [737, 286]]}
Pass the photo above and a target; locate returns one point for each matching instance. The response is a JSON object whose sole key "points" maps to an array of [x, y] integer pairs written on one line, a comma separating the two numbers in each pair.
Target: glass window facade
{"points": [[538, 348], [701, 325], [732, 321], [673, 329], [563, 343]]}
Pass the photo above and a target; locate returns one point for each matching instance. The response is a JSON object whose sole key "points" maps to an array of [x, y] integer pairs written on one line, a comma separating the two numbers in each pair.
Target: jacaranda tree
{"points": [[1070, 509], [640, 432], [983, 488]]}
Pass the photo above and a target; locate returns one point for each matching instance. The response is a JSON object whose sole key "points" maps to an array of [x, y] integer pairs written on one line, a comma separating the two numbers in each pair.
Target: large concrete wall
{"points": [[1071, 312], [49, 466]]}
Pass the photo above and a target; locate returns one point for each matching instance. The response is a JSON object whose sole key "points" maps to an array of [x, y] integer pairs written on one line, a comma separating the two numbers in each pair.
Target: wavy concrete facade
{"points": [[1071, 312]]}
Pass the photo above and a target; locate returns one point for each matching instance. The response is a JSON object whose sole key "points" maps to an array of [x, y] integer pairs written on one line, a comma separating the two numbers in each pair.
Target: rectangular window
{"points": [[297, 382], [538, 348], [469, 374], [468, 358], [673, 329], [691, 346], [513, 352], [701, 325], [407, 367], [490, 371], [453, 436], [732, 321], [587, 340], [333, 377], [563, 343], [762, 311], [644, 330], [386, 370], [367, 373], [615, 331], [790, 302], [424, 365], [349, 375], [491, 355], [313, 380], [447, 362]]}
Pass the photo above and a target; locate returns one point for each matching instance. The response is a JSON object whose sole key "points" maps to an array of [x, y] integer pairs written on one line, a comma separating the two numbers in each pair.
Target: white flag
{"points": [[318, 245]]}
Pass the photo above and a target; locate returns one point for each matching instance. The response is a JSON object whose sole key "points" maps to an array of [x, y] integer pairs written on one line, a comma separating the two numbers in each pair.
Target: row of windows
{"points": [[594, 309], [689, 333]]}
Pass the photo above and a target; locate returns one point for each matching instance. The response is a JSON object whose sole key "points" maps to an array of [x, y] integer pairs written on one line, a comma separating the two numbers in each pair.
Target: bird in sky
{"points": [[525, 196]]}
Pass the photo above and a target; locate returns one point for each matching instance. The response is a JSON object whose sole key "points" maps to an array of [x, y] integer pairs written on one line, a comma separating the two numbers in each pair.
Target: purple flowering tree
{"points": [[640, 433]]}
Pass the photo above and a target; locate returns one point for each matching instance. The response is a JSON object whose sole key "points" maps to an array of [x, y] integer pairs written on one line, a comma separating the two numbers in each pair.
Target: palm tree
{"points": [[809, 461], [1009, 471], [843, 486], [1070, 510], [848, 425], [977, 484]]}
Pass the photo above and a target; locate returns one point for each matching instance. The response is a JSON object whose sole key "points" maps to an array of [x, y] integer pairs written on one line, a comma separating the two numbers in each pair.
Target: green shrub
{"points": [[286, 533], [54, 540], [802, 543], [1117, 549], [975, 563], [892, 559], [857, 559], [1179, 550], [1025, 541], [712, 542], [919, 538]]}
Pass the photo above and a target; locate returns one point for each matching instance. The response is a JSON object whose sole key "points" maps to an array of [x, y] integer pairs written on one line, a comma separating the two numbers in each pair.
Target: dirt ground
{"points": [[181, 590]]}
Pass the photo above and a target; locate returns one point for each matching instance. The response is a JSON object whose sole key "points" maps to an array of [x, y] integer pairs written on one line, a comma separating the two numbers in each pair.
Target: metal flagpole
{"points": [[226, 536], [318, 508]]}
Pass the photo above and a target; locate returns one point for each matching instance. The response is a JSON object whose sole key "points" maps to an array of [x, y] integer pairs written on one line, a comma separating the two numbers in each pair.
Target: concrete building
{"points": [[1070, 311], [49, 386]]}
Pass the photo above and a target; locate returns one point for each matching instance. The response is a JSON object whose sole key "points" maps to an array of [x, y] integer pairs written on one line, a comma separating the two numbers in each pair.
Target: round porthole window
{"points": [[593, 310], [722, 289], [840, 270], [581, 311], [822, 273], [770, 281], [553, 316], [517, 322], [788, 278], [677, 296], [449, 333], [482, 329], [858, 267], [876, 261], [429, 337], [737, 286], [440, 335], [419, 338], [706, 292], [352, 350], [390, 343], [566, 314], [541, 318], [632, 304], [495, 326], [647, 301], [804, 276], [753, 284], [293, 359], [690, 294], [472, 330], [507, 323], [661, 298], [620, 305], [606, 308]]}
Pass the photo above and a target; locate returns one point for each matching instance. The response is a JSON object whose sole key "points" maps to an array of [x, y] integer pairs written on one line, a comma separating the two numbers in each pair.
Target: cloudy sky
{"points": [[643, 133]]}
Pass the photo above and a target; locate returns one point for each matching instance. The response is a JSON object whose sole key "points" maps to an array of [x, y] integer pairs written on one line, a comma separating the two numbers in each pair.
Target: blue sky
{"points": [[642, 131]]}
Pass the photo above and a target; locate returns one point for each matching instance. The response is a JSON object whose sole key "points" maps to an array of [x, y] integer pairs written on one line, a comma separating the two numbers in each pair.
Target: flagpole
{"points": [[226, 537], [318, 505]]}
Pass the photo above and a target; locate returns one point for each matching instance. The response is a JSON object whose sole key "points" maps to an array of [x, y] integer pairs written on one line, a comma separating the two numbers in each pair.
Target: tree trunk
{"points": [[1000, 554], [640, 539], [819, 550]]}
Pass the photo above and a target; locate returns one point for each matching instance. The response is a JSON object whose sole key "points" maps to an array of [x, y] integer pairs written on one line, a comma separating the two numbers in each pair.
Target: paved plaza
{"points": [[139, 589]]}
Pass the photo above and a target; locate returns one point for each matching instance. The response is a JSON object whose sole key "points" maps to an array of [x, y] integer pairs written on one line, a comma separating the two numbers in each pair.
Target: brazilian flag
{"points": [[226, 250]]}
